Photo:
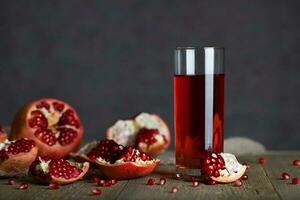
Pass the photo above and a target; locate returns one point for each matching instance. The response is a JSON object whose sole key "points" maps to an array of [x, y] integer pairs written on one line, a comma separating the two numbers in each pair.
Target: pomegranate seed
{"points": [[11, 181], [178, 176], [261, 161], [295, 181], [244, 177], [174, 189], [151, 181], [96, 191], [195, 183], [53, 186], [247, 165], [162, 181], [23, 186], [101, 183], [285, 176], [95, 179], [211, 182], [113, 181], [237, 183], [296, 162], [147, 136]]}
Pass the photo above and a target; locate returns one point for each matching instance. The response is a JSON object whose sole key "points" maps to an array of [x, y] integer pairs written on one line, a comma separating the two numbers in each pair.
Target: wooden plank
{"points": [[257, 187], [275, 166], [263, 183]]}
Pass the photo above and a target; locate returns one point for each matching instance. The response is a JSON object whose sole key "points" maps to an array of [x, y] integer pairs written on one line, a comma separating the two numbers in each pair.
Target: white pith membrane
{"points": [[233, 169], [53, 116], [125, 131], [5, 144]]}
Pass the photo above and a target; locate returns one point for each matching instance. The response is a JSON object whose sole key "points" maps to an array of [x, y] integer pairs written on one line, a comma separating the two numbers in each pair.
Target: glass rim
{"points": [[198, 47]]}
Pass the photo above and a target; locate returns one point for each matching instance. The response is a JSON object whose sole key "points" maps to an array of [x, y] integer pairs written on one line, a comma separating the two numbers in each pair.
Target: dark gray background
{"points": [[112, 59]]}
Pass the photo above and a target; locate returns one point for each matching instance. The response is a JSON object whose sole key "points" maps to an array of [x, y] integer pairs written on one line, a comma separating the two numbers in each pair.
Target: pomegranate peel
{"points": [[16, 156], [128, 132]]}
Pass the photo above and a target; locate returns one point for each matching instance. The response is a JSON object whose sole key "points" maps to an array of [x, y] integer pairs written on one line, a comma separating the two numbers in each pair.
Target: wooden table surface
{"points": [[263, 183]]}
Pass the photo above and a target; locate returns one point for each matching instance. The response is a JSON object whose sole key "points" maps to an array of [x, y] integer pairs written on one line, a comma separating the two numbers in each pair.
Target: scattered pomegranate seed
{"points": [[295, 181], [237, 183], [174, 190], [23, 186], [162, 181], [247, 165], [53, 186], [113, 181], [178, 176], [262, 161], [195, 183], [101, 182], [211, 182], [151, 181], [11, 181], [285, 176], [96, 191], [244, 177], [296, 162], [95, 179]]}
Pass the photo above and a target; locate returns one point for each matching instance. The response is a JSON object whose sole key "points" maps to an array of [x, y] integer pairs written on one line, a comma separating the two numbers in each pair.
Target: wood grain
{"points": [[263, 183]]}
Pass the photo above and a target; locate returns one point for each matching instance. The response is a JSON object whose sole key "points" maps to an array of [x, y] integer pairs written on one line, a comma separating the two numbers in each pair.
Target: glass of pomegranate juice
{"points": [[198, 105]]}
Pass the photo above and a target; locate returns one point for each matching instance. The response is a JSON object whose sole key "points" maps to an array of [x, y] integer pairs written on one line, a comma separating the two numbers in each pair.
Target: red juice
{"points": [[198, 117]]}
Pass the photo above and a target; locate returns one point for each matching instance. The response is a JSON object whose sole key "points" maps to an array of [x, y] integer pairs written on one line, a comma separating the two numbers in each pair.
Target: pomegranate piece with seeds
{"points": [[117, 161], [16, 156], [57, 170], [147, 132], [222, 167], [52, 124], [296, 162]]}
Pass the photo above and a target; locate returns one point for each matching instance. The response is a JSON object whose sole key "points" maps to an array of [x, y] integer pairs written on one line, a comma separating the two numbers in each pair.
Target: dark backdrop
{"points": [[112, 59]]}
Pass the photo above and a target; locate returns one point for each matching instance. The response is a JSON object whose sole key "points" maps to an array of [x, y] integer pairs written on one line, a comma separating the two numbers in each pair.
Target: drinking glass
{"points": [[198, 105]]}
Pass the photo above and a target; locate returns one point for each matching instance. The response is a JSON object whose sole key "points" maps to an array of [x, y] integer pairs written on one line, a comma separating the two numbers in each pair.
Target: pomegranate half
{"points": [[222, 167], [57, 170], [16, 156], [52, 124], [117, 161], [148, 132]]}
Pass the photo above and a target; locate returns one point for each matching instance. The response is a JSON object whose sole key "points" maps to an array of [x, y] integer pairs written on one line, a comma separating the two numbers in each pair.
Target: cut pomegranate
{"points": [[57, 170], [237, 183], [16, 156], [53, 186], [53, 124], [261, 161], [148, 132], [174, 190], [11, 181], [222, 167], [23, 186], [285, 176], [96, 191], [295, 181], [117, 161], [296, 162], [151, 181], [162, 181]]}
